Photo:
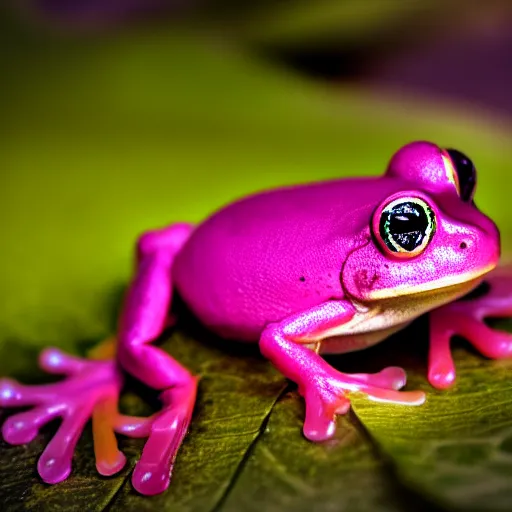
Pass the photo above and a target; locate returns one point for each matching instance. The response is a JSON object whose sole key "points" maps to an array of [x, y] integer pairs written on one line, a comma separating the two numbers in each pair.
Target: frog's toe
{"points": [[493, 343], [441, 375], [152, 473], [14, 394], [392, 377], [10, 393], [23, 427], [321, 411], [53, 360], [396, 397], [151, 479], [54, 465]]}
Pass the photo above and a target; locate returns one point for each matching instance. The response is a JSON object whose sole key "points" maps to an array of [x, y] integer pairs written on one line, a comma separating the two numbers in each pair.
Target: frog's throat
{"points": [[407, 307], [387, 315], [449, 283]]}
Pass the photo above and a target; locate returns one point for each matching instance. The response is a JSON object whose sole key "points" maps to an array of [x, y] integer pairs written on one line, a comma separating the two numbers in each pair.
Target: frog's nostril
{"points": [[463, 245]]}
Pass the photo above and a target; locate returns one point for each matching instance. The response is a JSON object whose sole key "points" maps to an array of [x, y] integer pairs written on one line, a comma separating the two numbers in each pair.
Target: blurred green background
{"points": [[120, 116]]}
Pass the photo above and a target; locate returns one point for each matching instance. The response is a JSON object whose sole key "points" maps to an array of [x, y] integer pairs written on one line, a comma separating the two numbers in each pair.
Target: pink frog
{"points": [[319, 268]]}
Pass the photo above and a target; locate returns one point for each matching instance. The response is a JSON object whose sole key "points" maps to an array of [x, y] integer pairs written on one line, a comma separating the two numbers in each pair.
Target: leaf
{"points": [[457, 448], [236, 393], [20, 486], [286, 472], [327, 21], [102, 139]]}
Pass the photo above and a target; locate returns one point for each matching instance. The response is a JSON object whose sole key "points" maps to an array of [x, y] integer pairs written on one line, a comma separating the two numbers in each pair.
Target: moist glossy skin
{"points": [[265, 257], [326, 267]]}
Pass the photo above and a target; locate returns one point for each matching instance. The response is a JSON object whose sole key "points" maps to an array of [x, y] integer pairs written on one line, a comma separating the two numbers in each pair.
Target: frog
{"points": [[318, 268]]}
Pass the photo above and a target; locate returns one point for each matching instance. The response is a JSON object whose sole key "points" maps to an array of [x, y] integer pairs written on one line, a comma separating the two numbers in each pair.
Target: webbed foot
{"points": [[326, 396], [91, 390], [466, 318], [87, 385]]}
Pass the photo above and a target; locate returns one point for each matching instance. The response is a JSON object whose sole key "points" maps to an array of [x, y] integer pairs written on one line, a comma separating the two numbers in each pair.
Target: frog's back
{"points": [[267, 256]]}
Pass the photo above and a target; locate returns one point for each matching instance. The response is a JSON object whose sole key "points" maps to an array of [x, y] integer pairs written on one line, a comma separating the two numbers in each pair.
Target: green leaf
{"points": [[286, 472], [457, 448], [343, 21], [102, 139], [236, 393]]}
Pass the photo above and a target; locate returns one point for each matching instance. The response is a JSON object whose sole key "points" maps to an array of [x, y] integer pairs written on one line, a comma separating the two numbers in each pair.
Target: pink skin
{"points": [[91, 382], [323, 387], [466, 318], [293, 269], [87, 383], [143, 320]]}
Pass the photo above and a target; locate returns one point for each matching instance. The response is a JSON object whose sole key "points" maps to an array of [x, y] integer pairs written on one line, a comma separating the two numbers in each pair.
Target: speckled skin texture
{"points": [[273, 254], [266, 257], [301, 270]]}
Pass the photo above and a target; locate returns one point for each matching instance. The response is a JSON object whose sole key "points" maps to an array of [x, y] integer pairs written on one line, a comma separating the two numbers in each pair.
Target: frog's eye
{"points": [[406, 226], [462, 172]]}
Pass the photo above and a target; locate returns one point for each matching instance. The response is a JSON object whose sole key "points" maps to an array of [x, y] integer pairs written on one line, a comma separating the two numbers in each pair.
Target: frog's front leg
{"points": [[323, 388], [466, 318]]}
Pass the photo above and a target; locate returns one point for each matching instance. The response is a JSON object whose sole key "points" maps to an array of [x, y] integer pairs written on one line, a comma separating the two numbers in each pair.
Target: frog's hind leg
{"points": [[466, 318], [143, 319], [91, 386]]}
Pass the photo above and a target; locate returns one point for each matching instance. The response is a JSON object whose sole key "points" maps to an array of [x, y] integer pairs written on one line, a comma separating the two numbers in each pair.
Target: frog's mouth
{"points": [[398, 310], [462, 283], [425, 300]]}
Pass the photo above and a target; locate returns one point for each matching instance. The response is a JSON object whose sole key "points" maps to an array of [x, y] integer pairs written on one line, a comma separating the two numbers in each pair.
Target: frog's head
{"points": [[428, 239]]}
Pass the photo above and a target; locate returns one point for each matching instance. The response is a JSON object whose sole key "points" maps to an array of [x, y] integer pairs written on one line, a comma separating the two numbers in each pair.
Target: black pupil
{"points": [[406, 224], [466, 173]]}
